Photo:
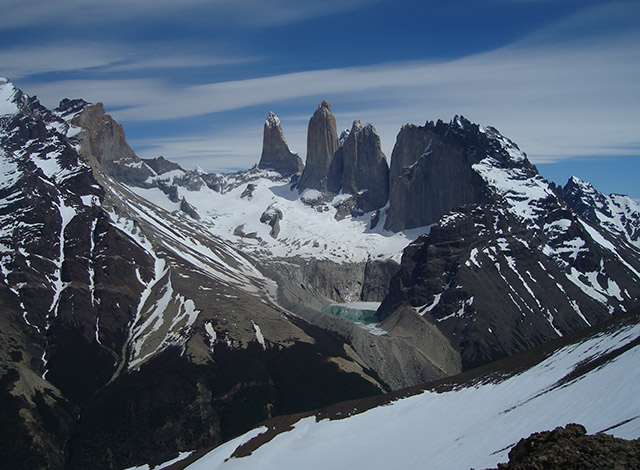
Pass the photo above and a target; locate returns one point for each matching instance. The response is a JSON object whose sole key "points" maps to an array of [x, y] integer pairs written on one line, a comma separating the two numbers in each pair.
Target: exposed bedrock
{"points": [[275, 151], [322, 143], [431, 173], [360, 168]]}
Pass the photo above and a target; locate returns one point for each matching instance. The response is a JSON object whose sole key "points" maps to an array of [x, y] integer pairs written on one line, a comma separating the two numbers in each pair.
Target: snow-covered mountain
{"points": [[125, 324], [471, 421], [617, 213], [148, 309], [512, 266]]}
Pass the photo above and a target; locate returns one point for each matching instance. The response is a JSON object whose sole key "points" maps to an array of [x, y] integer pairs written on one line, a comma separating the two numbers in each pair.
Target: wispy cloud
{"points": [[108, 58], [555, 95], [18, 62], [563, 94], [20, 13]]}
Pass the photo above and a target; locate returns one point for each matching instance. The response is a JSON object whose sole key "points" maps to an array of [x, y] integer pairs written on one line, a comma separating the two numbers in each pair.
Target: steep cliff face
{"points": [[104, 140], [431, 171], [365, 172], [322, 143], [275, 151]]}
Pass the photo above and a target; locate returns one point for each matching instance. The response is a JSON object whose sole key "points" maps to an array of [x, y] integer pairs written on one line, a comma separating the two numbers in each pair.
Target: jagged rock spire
{"points": [[322, 143], [365, 170], [275, 151]]}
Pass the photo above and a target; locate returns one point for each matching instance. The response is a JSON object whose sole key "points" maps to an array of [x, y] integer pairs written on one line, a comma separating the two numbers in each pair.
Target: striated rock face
{"points": [[322, 143], [365, 171], [571, 448], [431, 172], [275, 151], [104, 141]]}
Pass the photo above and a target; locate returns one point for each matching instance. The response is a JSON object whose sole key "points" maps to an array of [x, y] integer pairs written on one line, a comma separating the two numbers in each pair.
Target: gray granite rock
{"points": [[322, 143], [275, 151]]}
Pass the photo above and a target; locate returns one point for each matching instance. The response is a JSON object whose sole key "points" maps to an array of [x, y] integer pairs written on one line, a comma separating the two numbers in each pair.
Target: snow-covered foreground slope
{"points": [[595, 382]]}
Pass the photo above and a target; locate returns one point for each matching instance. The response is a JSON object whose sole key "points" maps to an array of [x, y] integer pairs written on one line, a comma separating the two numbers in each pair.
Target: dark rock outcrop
{"points": [[431, 172], [248, 191], [322, 143], [161, 165], [275, 151], [365, 172], [189, 209], [570, 448], [272, 217]]}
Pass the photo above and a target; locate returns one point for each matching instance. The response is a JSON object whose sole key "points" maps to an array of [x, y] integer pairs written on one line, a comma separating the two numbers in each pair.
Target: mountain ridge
{"points": [[141, 267]]}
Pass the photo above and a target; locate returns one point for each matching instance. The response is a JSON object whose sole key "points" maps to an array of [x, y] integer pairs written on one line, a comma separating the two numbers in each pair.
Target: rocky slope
{"points": [[511, 266]]}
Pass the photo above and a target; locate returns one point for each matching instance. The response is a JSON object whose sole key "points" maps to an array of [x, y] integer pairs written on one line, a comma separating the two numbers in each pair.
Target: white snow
{"points": [[619, 214], [472, 427], [304, 230], [165, 322], [259, 336], [7, 97], [427, 308], [164, 465], [211, 332], [607, 245], [523, 191], [473, 259], [310, 195]]}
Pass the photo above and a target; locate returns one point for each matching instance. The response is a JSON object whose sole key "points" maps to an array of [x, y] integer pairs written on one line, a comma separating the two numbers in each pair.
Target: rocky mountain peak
{"points": [[324, 105], [620, 214], [7, 97], [69, 107], [365, 172], [322, 143], [13, 100], [275, 151], [431, 172], [103, 141], [272, 120]]}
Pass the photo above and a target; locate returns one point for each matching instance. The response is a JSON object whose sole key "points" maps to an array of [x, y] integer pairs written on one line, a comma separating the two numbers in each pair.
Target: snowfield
{"points": [[306, 231], [473, 426]]}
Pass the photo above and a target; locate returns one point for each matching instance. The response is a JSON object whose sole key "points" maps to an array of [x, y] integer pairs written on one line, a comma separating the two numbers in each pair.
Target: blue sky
{"points": [[193, 80]]}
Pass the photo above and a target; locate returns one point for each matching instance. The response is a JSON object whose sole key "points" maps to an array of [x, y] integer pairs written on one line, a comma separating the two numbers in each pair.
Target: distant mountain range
{"points": [[149, 310]]}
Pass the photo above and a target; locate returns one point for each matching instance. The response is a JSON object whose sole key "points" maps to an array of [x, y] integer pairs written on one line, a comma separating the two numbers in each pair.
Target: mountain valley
{"points": [[148, 310]]}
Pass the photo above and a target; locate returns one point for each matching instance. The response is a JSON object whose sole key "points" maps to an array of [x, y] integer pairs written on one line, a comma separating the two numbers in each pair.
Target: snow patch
{"points": [[259, 336]]}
